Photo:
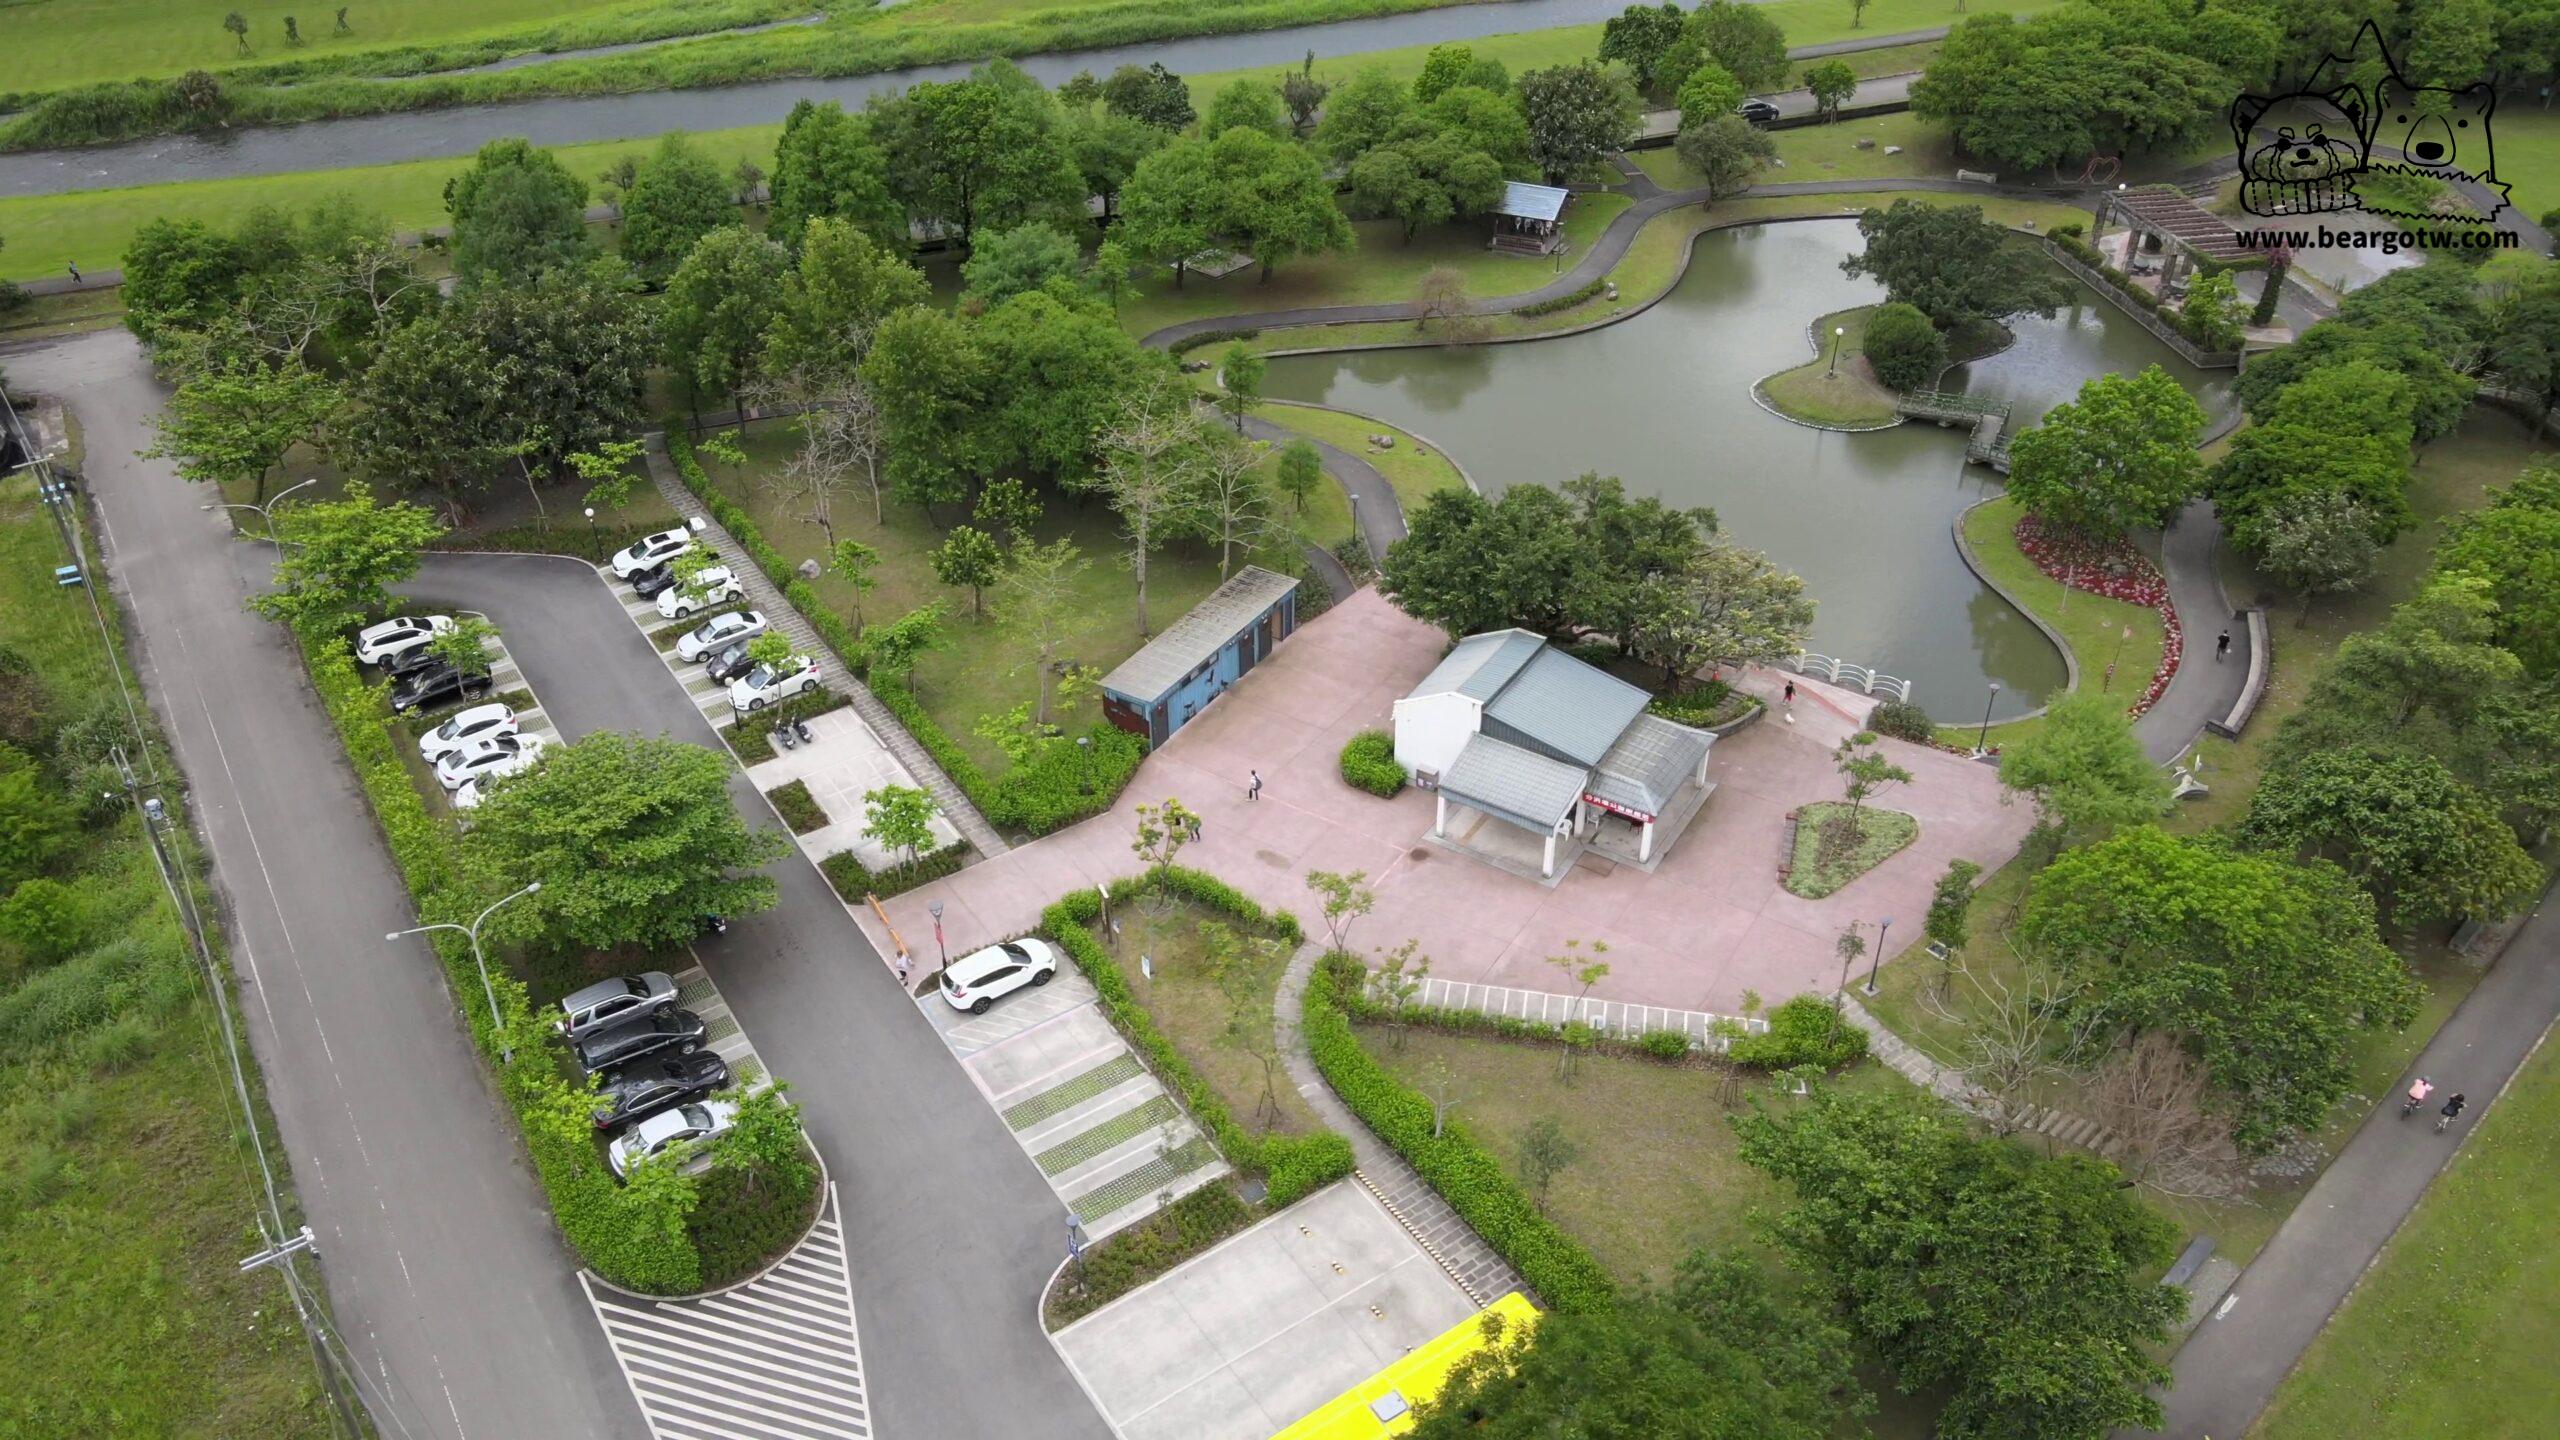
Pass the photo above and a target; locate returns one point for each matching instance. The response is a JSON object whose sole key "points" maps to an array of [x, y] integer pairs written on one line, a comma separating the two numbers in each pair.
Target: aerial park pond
{"points": [[1663, 401]]}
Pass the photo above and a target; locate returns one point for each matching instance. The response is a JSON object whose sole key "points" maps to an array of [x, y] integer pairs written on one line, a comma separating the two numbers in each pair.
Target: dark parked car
{"points": [[678, 1030], [411, 662], [438, 684], [728, 663], [1758, 112], [654, 579], [651, 1085]]}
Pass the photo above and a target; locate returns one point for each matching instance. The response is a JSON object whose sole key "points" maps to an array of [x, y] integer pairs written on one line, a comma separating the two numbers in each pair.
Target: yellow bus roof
{"points": [[1352, 1415]]}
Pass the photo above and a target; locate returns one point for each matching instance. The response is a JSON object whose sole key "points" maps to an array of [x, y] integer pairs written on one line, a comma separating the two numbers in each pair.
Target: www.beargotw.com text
{"points": [[2389, 242]]}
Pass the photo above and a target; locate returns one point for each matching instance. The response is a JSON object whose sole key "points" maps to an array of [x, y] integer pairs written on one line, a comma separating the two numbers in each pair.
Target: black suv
{"points": [[647, 583], [436, 685], [678, 1030], [653, 1084], [1758, 112]]}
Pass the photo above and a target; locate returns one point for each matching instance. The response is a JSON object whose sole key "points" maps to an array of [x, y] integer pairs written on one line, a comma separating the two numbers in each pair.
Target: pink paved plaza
{"points": [[1709, 924]]}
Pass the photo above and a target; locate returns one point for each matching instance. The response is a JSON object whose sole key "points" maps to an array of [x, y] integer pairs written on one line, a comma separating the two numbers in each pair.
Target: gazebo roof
{"points": [[1522, 201], [1533, 791], [2170, 214], [1649, 764]]}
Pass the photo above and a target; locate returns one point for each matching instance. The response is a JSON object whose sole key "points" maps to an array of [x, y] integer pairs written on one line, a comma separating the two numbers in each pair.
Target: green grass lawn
{"points": [[983, 665], [1831, 152], [127, 1192], [2092, 625], [1878, 835], [1193, 1008], [2529, 156], [2450, 1335], [1411, 466], [1834, 387]]}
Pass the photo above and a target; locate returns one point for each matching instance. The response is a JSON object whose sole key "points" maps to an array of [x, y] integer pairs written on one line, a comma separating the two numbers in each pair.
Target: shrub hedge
{"points": [[1804, 1031], [586, 542], [1903, 721], [1369, 762], [1903, 348], [1292, 1165], [1467, 1176], [738, 1231], [1206, 338], [798, 808], [637, 1238], [1565, 301], [853, 880], [1146, 1250]]}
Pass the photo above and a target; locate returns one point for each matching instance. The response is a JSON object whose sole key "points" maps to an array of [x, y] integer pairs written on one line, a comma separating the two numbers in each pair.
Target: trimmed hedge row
{"points": [[586, 542], [853, 879], [1205, 338], [1804, 1031], [1356, 1005], [1369, 762], [1466, 1175], [1146, 1250], [1293, 1165], [634, 1237], [798, 808], [1037, 797], [1565, 301]]}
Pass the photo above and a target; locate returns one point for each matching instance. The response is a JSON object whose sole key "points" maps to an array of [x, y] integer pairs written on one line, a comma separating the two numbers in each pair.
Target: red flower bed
{"points": [[2115, 569]]}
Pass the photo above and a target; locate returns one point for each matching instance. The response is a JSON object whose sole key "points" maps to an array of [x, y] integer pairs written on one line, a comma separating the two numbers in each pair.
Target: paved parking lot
{"points": [[841, 765], [1242, 1341]]}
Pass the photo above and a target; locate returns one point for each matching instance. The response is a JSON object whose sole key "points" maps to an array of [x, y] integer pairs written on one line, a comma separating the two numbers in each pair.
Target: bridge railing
{"points": [[1851, 675]]}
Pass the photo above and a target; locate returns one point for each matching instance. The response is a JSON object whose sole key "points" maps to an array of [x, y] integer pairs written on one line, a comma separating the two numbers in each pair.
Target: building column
{"points": [[1440, 817], [1548, 866], [1644, 844]]}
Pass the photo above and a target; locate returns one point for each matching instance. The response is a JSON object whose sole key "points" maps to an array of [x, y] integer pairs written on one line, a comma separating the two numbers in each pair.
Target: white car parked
{"points": [[490, 758], [381, 644], [773, 684], [466, 729], [718, 633], [701, 1122], [650, 550], [974, 982], [715, 586], [466, 796]]}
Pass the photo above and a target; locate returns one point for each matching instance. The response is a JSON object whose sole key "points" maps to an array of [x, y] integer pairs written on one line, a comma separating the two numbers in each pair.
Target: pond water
{"points": [[1663, 401]]}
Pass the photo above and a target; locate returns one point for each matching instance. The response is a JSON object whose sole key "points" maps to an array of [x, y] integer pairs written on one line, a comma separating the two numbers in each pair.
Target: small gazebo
{"points": [[2182, 231], [1527, 220]]}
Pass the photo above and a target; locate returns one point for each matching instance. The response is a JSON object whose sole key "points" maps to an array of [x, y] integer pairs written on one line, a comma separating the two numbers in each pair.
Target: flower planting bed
{"points": [[2115, 569]]}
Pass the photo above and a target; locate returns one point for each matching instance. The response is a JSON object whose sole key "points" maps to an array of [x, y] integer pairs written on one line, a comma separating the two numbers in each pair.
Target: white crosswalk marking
{"points": [[776, 1358]]}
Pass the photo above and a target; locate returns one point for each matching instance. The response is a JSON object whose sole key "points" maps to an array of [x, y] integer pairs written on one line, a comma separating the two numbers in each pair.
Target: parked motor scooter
{"points": [[807, 735], [782, 737]]}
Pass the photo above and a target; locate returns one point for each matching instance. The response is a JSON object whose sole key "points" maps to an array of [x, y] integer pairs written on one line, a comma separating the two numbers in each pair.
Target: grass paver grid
{"points": [[1155, 1175], [1118, 1130], [1073, 1091]]}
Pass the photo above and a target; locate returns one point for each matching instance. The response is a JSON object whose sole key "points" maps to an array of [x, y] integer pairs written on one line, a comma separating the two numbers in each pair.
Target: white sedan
{"points": [[490, 758], [650, 550], [466, 729], [719, 632], [696, 1124], [771, 684], [714, 586], [381, 644]]}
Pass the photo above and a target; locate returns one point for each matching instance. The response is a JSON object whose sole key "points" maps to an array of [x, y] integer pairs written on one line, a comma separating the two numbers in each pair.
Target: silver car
{"points": [[610, 1002]]}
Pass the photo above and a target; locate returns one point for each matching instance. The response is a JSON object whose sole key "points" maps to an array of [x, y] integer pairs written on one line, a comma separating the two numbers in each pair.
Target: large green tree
{"points": [[1361, 112], [2100, 77], [1468, 564], [1738, 36], [634, 839], [516, 213], [929, 380], [1006, 263], [341, 557], [2429, 846], [2120, 457], [2085, 768], [1428, 180], [718, 310], [1054, 373], [1725, 604], [1268, 198], [677, 196], [2317, 544], [1107, 147], [234, 417], [828, 166], [1955, 266], [1640, 38], [987, 151], [1722, 1355], [2514, 544], [1248, 103], [1727, 151], [845, 286], [2021, 1286], [2265, 968], [1150, 94], [179, 275], [1486, 120], [2438, 391], [1576, 114]]}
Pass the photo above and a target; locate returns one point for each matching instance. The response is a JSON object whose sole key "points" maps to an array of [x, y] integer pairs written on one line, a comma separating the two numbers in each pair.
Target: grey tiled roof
{"points": [[1481, 665], [1521, 786], [1530, 202], [1649, 764], [1573, 708], [1161, 663]]}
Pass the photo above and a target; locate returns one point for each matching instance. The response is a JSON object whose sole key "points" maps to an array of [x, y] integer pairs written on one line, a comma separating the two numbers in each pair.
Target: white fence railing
{"points": [[1851, 675]]}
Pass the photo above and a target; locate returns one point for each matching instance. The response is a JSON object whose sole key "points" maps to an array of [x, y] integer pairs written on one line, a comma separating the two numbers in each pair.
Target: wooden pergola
{"points": [[2183, 230]]}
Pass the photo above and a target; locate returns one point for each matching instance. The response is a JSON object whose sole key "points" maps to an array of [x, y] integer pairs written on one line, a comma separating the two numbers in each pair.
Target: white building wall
{"points": [[1431, 729]]}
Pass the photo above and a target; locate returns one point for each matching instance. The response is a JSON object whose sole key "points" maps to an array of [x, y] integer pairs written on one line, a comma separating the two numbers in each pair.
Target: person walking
{"points": [[1254, 790], [1791, 702], [75, 272], [2221, 645], [905, 962], [2452, 1111], [1191, 827]]}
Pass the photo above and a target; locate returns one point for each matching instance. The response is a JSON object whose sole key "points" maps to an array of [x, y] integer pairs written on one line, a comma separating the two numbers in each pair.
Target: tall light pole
{"points": [[496, 1023], [1875, 957], [1839, 334], [942, 957], [1983, 740], [266, 511]]}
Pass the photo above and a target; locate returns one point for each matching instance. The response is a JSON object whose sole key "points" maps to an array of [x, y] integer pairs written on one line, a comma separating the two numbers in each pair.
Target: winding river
{"points": [[1663, 401]]}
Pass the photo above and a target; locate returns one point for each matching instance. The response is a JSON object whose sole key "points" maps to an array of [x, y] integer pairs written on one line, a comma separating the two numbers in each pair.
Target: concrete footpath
{"points": [[2230, 1367]]}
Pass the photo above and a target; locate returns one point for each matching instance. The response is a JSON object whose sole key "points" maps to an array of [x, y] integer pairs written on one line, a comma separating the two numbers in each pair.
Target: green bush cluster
{"points": [[739, 1228], [1664, 1044], [1903, 721], [2201, 336], [634, 1238], [1804, 1031], [1565, 301], [587, 542], [1292, 1165], [798, 808], [13, 298], [1146, 1250], [1903, 348], [1060, 785], [1207, 338], [1369, 762], [1710, 702], [853, 879], [1467, 1176]]}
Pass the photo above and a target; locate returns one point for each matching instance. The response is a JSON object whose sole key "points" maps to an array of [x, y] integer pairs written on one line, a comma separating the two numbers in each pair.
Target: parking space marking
{"points": [[708, 695], [778, 1357]]}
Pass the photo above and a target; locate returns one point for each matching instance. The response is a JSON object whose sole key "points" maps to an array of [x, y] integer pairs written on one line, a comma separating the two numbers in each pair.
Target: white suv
{"points": [[490, 758], [466, 729], [650, 550], [772, 684], [715, 586], [977, 981], [381, 644]]}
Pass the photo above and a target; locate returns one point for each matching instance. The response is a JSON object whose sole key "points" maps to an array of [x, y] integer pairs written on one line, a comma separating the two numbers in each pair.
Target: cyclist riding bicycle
{"points": [[2420, 1090]]}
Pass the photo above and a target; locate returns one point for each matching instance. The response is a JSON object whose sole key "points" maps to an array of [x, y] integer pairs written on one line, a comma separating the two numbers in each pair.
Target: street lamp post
{"points": [[1875, 957], [1839, 335], [1084, 747], [265, 512], [505, 1051], [591, 519], [941, 955], [1982, 741]]}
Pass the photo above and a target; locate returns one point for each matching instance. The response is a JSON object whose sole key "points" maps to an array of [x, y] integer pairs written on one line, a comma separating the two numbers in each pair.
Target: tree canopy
{"points": [[827, 165], [677, 197], [1576, 114], [2120, 457], [2084, 767], [341, 557], [719, 306], [2429, 846], [1955, 266], [517, 212], [985, 151]]}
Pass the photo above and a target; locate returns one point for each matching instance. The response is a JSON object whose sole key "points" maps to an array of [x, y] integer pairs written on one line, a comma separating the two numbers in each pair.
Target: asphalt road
{"points": [[443, 1268], [951, 1231]]}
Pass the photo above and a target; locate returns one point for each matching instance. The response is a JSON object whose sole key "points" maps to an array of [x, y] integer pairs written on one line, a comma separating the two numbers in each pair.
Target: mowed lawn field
{"points": [[2451, 1335]]}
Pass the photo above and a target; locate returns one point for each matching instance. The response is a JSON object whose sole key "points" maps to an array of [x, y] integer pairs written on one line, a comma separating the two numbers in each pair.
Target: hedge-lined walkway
{"points": [[1408, 1197]]}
